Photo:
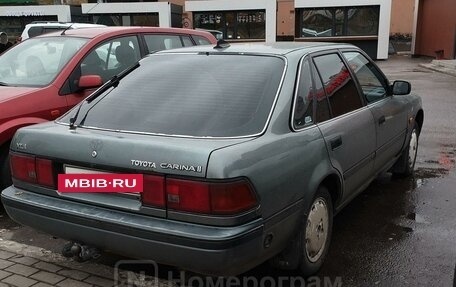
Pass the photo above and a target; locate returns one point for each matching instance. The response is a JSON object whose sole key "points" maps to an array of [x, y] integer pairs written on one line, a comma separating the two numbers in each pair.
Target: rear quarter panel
{"points": [[283, 166]]}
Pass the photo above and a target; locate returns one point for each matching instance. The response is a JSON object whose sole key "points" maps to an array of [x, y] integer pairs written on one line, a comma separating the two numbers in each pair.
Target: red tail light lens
{"points": [[186, 195], [154, 191], [32, 170], [45, 172], [232, 198], [220, 198], [23, 167]]}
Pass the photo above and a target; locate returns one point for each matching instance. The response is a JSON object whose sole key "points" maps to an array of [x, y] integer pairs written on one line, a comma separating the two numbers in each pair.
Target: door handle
{"points": [[336, 142], [381, 120]]}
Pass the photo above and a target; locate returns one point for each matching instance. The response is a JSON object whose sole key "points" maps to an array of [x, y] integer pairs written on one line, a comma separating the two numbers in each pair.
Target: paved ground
{"points": [[399, 232]]}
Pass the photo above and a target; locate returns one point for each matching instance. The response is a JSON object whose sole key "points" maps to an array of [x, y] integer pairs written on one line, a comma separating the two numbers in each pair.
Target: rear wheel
{"points": [[316, 233], [5, 172]]}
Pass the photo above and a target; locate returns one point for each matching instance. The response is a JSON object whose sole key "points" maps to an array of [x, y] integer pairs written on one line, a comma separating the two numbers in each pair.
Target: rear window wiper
{"points": [[113, 82]]}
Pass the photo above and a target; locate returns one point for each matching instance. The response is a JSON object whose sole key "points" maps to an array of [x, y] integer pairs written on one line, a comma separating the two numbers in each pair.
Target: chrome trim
{"points": [[345, 115], [274, 103]]}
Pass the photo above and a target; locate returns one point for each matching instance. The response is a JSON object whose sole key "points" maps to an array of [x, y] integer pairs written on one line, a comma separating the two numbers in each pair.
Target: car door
{"points": [[345, 123], [388, 111], [105, 60]]}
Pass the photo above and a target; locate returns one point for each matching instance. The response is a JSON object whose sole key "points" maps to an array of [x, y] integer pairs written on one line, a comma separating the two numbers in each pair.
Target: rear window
{"points": [[201, 40], [192, 95]]}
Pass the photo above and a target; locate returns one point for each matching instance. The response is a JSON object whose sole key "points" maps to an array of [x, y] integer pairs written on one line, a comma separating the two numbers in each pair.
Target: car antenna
{"points": [[67, 28], [222, 44]]}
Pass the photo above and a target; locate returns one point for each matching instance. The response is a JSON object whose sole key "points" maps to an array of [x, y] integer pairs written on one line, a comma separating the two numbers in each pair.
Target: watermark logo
{"points": [[136, 273], [144, 273], [79, 182]]}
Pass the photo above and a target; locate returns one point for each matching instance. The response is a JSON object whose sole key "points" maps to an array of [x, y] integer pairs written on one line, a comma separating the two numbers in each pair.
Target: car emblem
{"points": [[94, 153]]}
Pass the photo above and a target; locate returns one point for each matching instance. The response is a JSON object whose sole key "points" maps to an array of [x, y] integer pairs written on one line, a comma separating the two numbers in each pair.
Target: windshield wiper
{"points": [[3, 84], [113, 82]]}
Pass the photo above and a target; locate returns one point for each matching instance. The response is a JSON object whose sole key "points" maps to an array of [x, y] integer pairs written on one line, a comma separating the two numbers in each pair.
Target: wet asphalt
{"points": [[398, 232]]}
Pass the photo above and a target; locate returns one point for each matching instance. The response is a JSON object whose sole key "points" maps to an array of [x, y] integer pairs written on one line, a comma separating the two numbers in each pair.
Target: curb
{"points": [[439, 69]]}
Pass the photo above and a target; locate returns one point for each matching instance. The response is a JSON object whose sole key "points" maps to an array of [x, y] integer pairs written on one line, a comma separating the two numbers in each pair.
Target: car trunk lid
{"points": [[94, 151]]}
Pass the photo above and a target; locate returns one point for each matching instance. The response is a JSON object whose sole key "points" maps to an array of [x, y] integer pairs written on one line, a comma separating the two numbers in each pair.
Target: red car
{"points": [[43, 77]]}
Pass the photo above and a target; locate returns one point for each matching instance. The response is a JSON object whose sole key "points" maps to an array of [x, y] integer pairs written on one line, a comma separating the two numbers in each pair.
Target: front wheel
{"points": [[408, 158], [316, 233]]}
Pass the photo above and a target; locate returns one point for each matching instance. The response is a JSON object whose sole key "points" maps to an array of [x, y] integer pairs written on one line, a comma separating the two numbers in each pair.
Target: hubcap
{"points": [[413, 147], [317, 230]]}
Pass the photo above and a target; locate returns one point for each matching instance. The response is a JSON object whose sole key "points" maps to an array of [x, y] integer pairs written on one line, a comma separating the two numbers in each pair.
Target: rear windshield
{"points": [[192, 95]]}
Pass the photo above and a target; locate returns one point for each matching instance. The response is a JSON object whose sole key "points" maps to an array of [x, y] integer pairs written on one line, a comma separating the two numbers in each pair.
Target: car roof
{"points": [[120, 30], [278, 48]]}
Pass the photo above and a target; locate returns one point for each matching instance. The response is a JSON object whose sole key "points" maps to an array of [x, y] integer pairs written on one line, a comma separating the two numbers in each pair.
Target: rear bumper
{"points": [[199, 248]]}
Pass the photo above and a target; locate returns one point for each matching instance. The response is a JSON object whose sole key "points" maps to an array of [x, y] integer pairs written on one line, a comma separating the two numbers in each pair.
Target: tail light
{"points": [[154, 191], [31, 169], [220, 198]]}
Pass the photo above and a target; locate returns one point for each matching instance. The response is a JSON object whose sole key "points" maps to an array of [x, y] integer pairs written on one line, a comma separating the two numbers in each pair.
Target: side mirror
{"points": [[90, 81], [401, 88]]}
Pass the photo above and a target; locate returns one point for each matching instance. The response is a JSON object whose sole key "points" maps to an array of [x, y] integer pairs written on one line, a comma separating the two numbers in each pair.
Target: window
{"points": [[216, 95], [339, 86], [160, 42], [187, 41], [303, 107], [346, 21], [37, 61], [249, 24], [201, 40], [362, 21], [111, 58], [322, 111], [371, 81], [209, 21]]}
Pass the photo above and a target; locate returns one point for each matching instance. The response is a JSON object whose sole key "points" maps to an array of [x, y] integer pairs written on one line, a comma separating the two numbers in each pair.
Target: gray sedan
{"points": [[246, 154]]}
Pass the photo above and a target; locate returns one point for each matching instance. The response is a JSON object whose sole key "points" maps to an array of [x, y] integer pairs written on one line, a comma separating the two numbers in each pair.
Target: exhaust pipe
{"points": [[80, 252]]}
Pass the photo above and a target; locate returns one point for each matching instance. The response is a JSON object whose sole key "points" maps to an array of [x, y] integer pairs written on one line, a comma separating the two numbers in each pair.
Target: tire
{"points": [[315, 234], [5, 172], [405, 165]]}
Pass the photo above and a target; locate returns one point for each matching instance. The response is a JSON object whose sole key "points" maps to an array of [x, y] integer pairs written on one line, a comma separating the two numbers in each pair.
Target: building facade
{"points": [[435, 29], [365, 23]]}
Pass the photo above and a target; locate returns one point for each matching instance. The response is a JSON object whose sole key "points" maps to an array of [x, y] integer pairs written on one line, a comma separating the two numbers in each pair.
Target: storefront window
{"points": [[363, 21], [250, 25], [347, 21], [230, 24], [108, 19], [145, 20], [233, 25], [317, 23]]}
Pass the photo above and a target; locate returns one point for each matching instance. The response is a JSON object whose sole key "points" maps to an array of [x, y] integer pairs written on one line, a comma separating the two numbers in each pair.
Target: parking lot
{"points": [[399, 232]]}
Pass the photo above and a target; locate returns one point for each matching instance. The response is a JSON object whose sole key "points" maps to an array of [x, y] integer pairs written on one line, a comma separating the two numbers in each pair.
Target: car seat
{"points": [[125, 56]]}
